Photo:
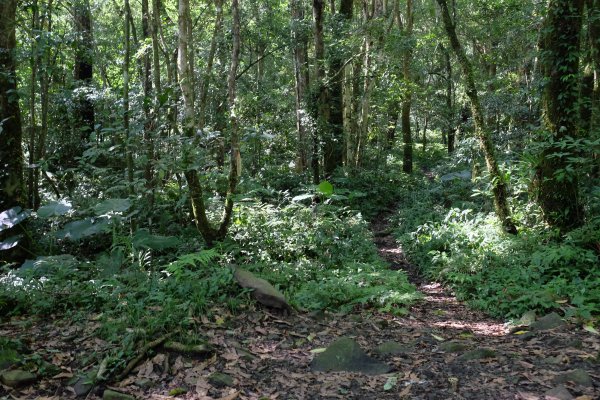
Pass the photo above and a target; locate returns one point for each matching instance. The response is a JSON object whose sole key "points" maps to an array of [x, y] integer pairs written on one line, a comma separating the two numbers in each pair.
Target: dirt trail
{"points": [[268, 356]]}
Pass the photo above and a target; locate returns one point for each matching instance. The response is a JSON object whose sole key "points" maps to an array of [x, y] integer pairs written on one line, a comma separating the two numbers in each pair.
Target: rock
{"points": [[453, 347], [346, 355], [114, 395], [144, 383], [219, 379], [263, 291], [578, 376], [17, 378], [558, 393], [391, 348], [82, 385], [477, 354], [547, 322]]}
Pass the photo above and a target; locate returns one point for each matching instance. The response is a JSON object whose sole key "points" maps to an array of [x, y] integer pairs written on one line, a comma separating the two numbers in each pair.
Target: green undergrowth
{"points": [[447, 227]]}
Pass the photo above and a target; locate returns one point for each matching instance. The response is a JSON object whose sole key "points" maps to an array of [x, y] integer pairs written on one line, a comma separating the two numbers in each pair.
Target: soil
{"points": [[265, 355]]}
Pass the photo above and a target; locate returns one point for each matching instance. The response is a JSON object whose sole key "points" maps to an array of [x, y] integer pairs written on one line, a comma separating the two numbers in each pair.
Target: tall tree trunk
{"points": [[83, 72], [557, 187], [450, 129], [334, 140], [126, 64], [34, 64], [11, 153], [322, 91], [205, 83], [149, 118], [499, 188], [186, 82], [299, 57], [407, 160]]}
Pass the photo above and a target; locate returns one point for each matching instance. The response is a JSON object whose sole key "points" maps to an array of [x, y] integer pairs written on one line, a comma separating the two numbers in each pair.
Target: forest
{"points": [[353, 199]]}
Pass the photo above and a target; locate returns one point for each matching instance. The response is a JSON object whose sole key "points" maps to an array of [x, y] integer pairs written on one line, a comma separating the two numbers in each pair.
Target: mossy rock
{"points": [[17, 378], [453, 347], [547, 322], [346, 355], [578, 376], [392, 348], [114, 395], [263, 291], [219, 379]]}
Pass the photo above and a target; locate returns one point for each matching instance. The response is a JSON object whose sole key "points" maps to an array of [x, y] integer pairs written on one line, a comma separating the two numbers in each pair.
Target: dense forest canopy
{"points": [[149, 148]]}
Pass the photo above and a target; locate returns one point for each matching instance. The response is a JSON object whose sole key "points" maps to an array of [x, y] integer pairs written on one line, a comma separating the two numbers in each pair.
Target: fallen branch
{"points": [[155, 343]]}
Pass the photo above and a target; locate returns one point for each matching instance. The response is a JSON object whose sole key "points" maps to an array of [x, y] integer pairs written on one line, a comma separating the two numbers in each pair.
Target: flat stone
{"points": [[219, 379], [391, 348], [346, 355], [263, 291], [547, 322], [114, 395], [558, 393], [453, 347], [477, 354], [578, 376], [17, 378], [82, 386]]}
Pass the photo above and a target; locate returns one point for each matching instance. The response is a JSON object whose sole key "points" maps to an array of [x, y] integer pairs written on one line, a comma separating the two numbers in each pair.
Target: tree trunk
{"points": [[499, 189], [83, 73], [126, 63], [149, 118], [11, 154], [450, 129], [322, 91], [299, 57], [556, 183], [205, 84], [334, 140], [407, 161]]}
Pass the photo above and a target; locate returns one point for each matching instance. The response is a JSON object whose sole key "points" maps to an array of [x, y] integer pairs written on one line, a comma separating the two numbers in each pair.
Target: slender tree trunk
{"points": [[323, 95], [83, 72], [205, 83], [334, 140], [34, 64], [149, 118], [299, 58], [126, 64], [557, 188], [407, 160], [450, 129], [499, 189]]}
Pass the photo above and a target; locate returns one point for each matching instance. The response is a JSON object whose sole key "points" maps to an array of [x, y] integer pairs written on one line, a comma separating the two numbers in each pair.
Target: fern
{"points": [[191, 260]]}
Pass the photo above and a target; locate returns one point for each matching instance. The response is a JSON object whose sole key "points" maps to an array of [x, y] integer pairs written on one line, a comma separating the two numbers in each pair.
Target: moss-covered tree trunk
{"points": [[334, 140], [186, 82], [322, 92], [407, 158], [499, 188], [556, 181], [12, 188]]}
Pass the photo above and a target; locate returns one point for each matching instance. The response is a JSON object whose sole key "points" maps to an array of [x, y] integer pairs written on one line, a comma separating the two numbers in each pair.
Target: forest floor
{"points": [[444, 350]]}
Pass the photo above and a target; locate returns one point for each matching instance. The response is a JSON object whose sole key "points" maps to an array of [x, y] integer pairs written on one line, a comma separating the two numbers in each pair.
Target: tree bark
{"points": [[11, 155], [334, 140], [126, 64], [300, 75], [407, 160], [83, 72], [499, 188], [322, 91], [556, 183]]}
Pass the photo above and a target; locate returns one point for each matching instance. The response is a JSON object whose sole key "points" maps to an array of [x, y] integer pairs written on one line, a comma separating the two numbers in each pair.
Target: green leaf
{"points": [[112, 206], [142, 238], [302, 197], [325, 188], [391, 383], [77, 230], [12, 217], [53, 209]]}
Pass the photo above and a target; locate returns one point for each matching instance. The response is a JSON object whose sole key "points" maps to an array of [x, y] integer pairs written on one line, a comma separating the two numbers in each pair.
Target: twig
{"points": [[142, 353]]}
